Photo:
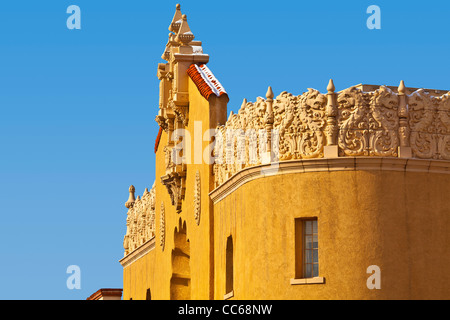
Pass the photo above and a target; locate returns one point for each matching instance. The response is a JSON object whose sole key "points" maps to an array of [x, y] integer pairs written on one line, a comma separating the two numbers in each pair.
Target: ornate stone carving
{"points": [[429, 124], [290, 128], [176, 186], [368, 122], [140, 219], [352, 108], [197, 198], [383, 123], [354, 122], [162, 227], [442, 125]]}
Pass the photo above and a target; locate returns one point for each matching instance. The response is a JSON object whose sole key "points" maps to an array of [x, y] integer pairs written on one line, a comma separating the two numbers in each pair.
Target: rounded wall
{"points": [[396, 220]]}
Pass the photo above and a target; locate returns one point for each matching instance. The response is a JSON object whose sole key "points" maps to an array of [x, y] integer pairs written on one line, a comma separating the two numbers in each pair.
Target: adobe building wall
{"points": [[397, 219]]}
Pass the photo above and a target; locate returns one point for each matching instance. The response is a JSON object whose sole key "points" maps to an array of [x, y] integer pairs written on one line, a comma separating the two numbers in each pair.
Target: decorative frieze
{"points": [[140, 219], [384, 122]]}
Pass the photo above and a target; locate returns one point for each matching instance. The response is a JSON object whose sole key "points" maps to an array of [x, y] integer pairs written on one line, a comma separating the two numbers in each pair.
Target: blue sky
{"points": [[77, 107]]}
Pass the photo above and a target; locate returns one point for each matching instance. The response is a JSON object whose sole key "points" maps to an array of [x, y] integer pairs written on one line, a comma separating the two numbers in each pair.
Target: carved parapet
{"points": [[384, 122], [140, 219]]}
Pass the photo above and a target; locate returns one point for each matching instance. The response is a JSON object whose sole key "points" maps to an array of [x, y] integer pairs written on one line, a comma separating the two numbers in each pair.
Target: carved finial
{"points": [[131, 198], [401, 88], [184, 34], [231, 115], [269, 94], [176, 21], [331, 86], [146, 190]]}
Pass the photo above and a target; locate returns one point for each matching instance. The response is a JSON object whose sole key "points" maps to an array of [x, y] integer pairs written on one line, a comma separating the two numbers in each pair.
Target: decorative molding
{"points": [[138, 253], [197, 198], [162, 227], [328, 165]]}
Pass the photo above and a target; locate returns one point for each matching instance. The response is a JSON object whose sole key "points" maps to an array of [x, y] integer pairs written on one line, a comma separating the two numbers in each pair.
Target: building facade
{"points": [[335, 195]]}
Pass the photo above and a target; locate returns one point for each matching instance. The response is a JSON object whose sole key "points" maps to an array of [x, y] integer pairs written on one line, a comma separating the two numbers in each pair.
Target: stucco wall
{"points": [[399, 221]]}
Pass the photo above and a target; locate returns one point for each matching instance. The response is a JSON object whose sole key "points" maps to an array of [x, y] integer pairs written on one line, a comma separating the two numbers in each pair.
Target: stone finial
{"points": [[131, 199], [331, 87], [184, 34], [176, 21], [401, 88], [331, 149], [269, 110], [269, 94]]}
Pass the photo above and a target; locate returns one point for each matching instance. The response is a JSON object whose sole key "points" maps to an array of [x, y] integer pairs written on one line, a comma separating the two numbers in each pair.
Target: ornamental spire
{"points": [[184, 34], [131, 199], [331, 87], [176, 21]]}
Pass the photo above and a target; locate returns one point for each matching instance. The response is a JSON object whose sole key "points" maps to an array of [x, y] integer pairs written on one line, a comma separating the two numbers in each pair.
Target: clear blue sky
{"points": [[77, 107]]}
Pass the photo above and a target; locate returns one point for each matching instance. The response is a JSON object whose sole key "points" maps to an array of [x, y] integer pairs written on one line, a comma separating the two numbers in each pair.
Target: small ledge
{"points": [[228, 295], [315, 280]]}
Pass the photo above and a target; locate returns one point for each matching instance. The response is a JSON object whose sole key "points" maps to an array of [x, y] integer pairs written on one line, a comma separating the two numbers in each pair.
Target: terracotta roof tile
{"points": [[205, 81]]}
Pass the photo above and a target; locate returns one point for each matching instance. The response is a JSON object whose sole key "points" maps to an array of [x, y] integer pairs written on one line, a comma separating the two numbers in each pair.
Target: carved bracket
{"points": [[175, 183]]}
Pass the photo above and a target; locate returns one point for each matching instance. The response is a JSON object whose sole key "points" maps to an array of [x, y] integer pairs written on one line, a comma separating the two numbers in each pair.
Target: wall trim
{"points": [[328, 165], [140, 251]]}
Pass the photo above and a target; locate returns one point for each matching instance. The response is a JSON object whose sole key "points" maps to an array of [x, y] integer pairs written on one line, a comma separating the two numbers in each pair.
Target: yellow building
{"points": [[336, 195]]}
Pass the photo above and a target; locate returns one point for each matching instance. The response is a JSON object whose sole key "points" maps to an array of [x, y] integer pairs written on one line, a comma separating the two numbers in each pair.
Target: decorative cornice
{"points": [[138, 253], [328, 165]]}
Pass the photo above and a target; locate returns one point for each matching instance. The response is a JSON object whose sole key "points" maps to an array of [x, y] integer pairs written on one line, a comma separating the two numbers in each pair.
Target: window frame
{"points": [[300, 272]]}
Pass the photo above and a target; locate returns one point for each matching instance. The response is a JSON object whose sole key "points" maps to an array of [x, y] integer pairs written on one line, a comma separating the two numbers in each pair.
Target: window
{"points": [[148, 295], [306, 248], [229, 266], [310, 249]]}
